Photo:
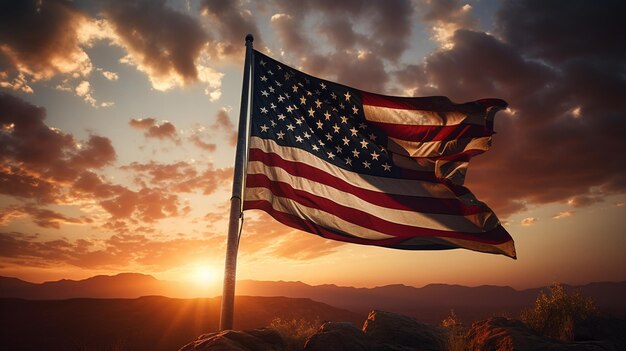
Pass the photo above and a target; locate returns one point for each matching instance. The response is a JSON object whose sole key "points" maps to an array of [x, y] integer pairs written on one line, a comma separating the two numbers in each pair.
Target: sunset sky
{"points": [[118, 127]]}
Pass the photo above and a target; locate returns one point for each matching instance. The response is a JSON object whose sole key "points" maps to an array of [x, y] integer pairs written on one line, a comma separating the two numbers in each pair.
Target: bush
{"points": [[557, 314], [295, 332], [455, 340]]}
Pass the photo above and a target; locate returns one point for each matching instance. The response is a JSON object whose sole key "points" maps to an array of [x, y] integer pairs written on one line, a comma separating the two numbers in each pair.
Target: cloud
{"points": [[83, 89], [446, 18], [529, 221], [225, 126], [112, 76], [152, 129], [563, 214], [543, 152], [40, 39], [42, 217]]}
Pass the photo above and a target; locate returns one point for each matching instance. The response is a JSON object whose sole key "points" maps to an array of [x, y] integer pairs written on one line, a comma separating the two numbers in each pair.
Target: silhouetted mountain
{"points": [[431, 303], [148, 323]]}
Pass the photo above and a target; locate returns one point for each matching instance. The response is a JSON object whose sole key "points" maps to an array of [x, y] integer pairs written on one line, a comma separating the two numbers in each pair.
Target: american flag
{"points": [[366, 168]]}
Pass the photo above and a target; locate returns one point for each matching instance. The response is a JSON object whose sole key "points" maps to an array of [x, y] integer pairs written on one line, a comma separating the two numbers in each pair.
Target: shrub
{"points": [[455, 340], [295, 332], [557, 313]]}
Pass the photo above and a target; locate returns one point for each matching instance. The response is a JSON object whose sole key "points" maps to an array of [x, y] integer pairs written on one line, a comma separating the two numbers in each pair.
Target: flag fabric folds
{"points": [[365, 168]]}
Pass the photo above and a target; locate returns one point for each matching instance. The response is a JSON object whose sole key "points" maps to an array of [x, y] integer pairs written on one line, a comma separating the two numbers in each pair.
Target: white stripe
{"points": [[475, 223], [381, 184], [420, 117], [437, 148], [313, 215]]}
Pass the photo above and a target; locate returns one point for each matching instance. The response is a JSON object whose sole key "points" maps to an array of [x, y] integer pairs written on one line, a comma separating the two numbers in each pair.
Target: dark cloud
{"points": [[560, 139], [165, 42], [232, 23], [224, 125], [39, 38], [42, 217], [153, 129]]}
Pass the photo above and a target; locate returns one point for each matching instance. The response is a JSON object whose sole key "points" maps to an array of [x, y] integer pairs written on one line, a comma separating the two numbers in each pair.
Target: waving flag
{"points": [[365, 168]]}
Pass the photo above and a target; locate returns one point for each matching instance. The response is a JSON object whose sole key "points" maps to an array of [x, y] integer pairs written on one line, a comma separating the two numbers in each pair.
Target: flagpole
{"points": [[232, 245]]}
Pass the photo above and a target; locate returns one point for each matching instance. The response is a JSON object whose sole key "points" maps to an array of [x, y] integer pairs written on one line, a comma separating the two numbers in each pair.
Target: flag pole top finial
{"points": [[249, 38]]}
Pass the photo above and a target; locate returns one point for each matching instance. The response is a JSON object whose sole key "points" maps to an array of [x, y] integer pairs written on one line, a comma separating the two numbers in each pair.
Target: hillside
{"points": [[148, 323]]}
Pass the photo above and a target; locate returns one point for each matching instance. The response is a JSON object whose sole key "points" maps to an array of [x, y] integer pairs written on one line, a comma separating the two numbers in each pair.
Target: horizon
{"points": [[118, 140]]}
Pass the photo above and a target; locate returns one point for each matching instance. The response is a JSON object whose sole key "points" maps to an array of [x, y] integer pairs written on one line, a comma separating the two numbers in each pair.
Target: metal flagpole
{"points": [[230, 266]]}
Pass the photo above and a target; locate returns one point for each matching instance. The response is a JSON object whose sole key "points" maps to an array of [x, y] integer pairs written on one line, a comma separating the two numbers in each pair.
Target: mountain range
{"points": [[430, 303]]}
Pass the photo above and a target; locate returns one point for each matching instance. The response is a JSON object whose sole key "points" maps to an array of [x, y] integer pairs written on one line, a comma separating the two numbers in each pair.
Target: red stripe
{"points": [[307, 171], [370, 221], [393, 201], [418, 133], [429, 103], [496, 236]]}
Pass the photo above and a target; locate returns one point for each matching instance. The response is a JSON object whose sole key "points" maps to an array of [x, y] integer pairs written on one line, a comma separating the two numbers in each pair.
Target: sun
{"points": [[205, 275]]}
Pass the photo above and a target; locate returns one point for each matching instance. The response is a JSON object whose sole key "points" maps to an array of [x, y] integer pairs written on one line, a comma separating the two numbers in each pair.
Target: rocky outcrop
{"points": [[338, 336], [402, 332], [263, 339], [504, 334]]}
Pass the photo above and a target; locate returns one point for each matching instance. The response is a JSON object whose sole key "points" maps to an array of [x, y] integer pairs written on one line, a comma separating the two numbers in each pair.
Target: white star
{"points": [[299, 139], [347, 95], [307, 135], [372, 136], [278, 84], [320, 125], [289, 109], [342, 106], [318, 103], [366, 164], [336, 128], [356, 153], [327, 115], [333, 95], [265, 93], [280, 135], [374, 155], [346, 141], [294, 88], [290, 127], [272, 106], [271, 89], [331, 155], [362, 125], [270, 73], [339, 149], [263, 79], [354, 131], [387, 167], [355, 110], [264, 128], [344, 119], [273, 123], [321, 143], [281, 117], [303, 101], [281, 98], [323, 86], [329, 137], [262, 63], [263, 110], [311, 112], [315, 147], [349, 161], [299, 121], [364, 144]]}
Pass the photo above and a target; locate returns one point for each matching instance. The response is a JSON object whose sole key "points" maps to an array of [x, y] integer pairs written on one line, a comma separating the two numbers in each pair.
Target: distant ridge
{"points": [[430, 303]]}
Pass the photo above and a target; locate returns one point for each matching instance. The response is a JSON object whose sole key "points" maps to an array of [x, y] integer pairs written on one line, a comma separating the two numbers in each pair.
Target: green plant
{"points": [[295, 332], [557, 314]]}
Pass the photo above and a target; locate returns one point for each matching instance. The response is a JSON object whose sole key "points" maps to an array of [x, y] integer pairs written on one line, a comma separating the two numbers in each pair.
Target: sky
{"points": [[118, 126]]}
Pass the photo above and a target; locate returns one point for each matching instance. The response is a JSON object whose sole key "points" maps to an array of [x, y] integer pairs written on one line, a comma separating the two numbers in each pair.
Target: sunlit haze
{"points": [[117, 136]]}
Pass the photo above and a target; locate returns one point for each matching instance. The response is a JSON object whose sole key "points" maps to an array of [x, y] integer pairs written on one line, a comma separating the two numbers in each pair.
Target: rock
{"points": [[504, 334], [392, 331], [262, 339], [338, 336]]}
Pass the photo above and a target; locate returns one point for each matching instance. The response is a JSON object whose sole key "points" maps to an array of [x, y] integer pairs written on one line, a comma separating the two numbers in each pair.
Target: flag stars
{"points": [[264, 128], [344, 119], [336, 128], [356, 153], [348, 161], [271, 89], [315, 147], [327, 115], [329, 137], [323, 86], [272, 106], [302, 100], [347, 95], [366, 164], [270, 72], [311, 112], [354, 131], [374, 155], [281, 98], [294, 88], [281, 117], [280, 135], [263, 79], [372, 136], [318, 103], [290, 127], [262, 63], [333, 95], [278, 84], [265, 93], [263, 110], [386, 167], [330, 155], [290, 109], [355, 109], [339, 149], [307, 135], [346, 141], [362, 125], [299, 139], [364, 144], [273, 123], [320, 125], [299, 121]]}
